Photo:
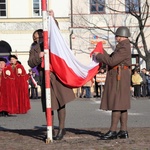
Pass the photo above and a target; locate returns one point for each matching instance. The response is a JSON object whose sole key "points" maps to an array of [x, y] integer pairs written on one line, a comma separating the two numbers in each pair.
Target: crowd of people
{"points": [[14, 97], [140, 83], [94, 87]]}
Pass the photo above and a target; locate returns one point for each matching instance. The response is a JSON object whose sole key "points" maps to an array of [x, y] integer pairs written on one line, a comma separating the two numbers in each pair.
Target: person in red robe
{"points": [[21, 79], [8, 95]]}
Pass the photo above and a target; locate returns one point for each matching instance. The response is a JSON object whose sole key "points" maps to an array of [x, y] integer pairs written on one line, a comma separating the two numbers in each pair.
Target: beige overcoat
{"points": [[60, 94], [116, 95]]}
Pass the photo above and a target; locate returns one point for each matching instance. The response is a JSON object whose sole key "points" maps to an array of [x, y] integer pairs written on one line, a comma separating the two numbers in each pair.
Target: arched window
{"points": [[5, 48]]}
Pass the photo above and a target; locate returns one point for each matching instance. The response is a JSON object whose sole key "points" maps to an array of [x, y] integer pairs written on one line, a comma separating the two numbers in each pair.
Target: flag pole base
{"points": [[48, 140]]}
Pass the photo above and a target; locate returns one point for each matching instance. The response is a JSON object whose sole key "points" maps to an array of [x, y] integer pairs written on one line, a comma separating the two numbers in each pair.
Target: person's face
{"points": [[2, 64], [144, 70], [13, 60], [120, 38], [135, 72], [37, 38], [30, 72], [117, 38], [102, 70]]}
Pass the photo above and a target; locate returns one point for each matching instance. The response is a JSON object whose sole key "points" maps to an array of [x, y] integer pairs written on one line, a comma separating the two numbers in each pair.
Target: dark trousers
{"points": [[137, 90], [144, 90], [29, 92], [34, 93], [88, 91], [148, 88], [96, 89]]}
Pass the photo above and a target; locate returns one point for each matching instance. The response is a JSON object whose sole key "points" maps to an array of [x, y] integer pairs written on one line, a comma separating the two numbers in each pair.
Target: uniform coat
{"points": [[60, 94], [116, 94]]}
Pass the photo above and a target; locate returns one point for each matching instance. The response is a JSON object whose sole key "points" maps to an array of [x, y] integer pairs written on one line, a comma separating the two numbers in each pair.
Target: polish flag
{"points": [[64, 64]]}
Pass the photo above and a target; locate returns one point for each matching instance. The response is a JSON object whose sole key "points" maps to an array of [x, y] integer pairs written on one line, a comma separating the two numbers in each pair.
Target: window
{"points": [[132, 5], [97, 6], [2, 7], [37, 10]]}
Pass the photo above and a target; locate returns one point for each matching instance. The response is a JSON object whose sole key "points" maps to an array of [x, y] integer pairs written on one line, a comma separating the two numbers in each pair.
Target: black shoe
{"points": [[60, 134], [110, 135], [122, 134], [5, 113]]}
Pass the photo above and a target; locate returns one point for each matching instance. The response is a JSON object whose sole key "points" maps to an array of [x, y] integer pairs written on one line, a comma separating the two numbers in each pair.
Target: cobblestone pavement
{"points": [[75, 139]]}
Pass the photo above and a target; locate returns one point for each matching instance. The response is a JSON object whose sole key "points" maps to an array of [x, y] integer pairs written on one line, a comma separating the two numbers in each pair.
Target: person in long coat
{"points": [[116, 95], [60, 94]]}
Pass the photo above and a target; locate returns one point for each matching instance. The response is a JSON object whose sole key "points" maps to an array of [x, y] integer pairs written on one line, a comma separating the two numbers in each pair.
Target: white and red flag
{"points": [[63, 62]]}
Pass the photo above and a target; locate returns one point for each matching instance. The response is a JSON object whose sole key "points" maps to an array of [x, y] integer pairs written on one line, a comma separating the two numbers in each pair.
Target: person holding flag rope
{"points": [[60, 93]]}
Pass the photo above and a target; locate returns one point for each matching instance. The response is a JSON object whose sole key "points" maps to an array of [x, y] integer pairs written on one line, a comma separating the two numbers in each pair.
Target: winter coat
{"points": [[116, 95]]}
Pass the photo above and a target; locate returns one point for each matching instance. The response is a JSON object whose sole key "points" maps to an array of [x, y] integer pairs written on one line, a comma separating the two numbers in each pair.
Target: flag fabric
{"points": [[63, 62], [98, 48]]}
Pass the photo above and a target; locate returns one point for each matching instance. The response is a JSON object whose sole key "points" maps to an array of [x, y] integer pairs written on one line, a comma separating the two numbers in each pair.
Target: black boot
{"points": [[110, 135], [122, 134], [60, 134]]}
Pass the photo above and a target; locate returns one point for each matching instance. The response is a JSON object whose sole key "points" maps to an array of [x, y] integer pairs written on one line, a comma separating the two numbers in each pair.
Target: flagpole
{"points": [[47, 73]]}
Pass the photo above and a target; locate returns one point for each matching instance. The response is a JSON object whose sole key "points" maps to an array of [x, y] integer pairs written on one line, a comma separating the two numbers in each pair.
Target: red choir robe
{"points": [[21, 79], [8, 94]]}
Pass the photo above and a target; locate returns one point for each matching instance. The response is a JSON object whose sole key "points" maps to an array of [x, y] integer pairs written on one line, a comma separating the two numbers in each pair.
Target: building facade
{"points": [[19, 19], [97, 20], [83, 23]]}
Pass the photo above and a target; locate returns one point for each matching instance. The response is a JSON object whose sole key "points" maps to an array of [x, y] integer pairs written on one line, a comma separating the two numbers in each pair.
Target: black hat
{"points": [[12, 56], [3, 59]]}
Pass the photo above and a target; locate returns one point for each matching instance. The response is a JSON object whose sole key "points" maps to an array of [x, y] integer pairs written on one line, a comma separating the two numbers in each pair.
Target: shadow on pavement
{"points": [[83, 131], [36, 133], [39, 133]]}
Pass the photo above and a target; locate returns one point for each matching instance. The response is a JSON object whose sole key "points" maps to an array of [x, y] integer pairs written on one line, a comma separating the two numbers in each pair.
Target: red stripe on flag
{"points": [[99, 48], [67, 75]]}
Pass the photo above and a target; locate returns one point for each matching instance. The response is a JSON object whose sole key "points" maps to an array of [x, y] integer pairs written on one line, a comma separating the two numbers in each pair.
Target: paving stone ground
{"points": [[75, 139]]}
